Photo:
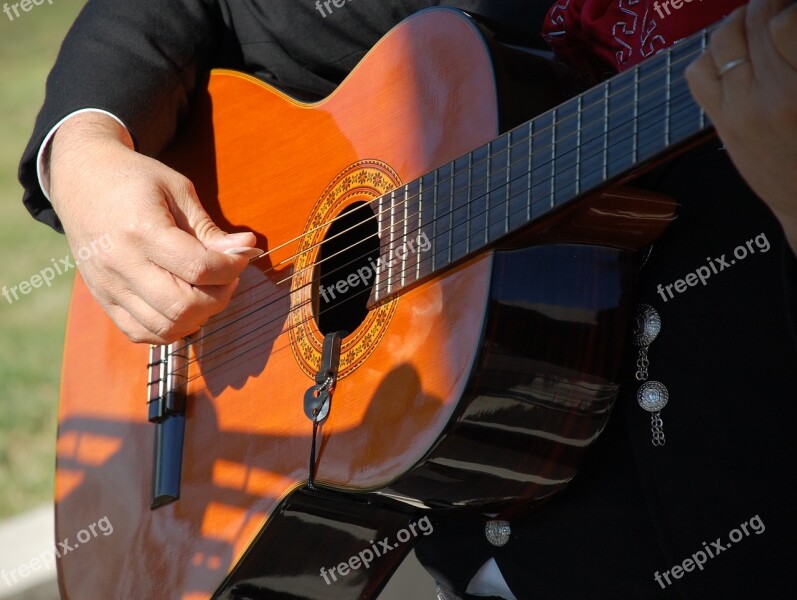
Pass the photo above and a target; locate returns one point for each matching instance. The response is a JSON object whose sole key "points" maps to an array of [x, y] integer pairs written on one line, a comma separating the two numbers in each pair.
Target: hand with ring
{"points": [[747, 83]]}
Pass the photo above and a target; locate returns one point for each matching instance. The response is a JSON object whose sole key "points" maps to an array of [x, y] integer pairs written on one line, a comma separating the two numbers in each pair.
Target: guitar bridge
{"points": [[167, 371]]}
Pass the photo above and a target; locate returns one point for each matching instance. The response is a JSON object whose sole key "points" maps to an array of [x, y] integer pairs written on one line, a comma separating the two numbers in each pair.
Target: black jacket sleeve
{"points": [[142, 59], [137, 59]]}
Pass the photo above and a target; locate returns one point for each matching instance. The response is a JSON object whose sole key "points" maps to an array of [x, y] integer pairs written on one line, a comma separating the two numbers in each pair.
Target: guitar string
{"points": [[250, 331], [281, 318], [635, 82], [524, 158], [556, 123], [442, 216]]}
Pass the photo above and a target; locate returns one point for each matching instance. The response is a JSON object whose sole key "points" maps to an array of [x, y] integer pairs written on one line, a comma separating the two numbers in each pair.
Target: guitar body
{"points": [[477, 388]]}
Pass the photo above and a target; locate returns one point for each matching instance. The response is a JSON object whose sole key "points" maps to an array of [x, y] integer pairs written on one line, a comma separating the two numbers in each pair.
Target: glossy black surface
{"points": [[167, 460], [545, 383], [315, 530]]}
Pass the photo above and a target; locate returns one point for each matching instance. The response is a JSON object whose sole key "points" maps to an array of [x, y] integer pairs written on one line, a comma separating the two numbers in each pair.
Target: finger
{"points": [[184, 250], [185, 257], [729, 46], [231, 241], [179, 302], [131, 327], [157, 324], [759, 15], [164, 307], [190, 216], [704, 83], [783, 30], [174, 311]]}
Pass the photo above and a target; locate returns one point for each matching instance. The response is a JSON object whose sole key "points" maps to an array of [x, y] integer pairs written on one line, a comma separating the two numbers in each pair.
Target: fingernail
{"points": [[249, 253], [241, 238]]}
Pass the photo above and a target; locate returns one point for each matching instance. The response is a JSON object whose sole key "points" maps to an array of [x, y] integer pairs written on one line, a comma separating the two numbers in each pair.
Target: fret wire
{"points": [[434, 217], [420, 229], [553, 158], [406, 223], [469, 200], [392, 241], [578, 147], [621, 140], [605, 175], [541, 199], [531, 148], [451, 218], [487, 195], [668, 75], [703, 47], [635, 151], [607, 94], [447, 185], [380, 230], [508, 182], [528, 177]]}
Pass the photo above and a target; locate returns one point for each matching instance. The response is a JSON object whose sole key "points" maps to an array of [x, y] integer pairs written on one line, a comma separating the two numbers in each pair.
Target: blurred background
{"points": [[32, 328]]}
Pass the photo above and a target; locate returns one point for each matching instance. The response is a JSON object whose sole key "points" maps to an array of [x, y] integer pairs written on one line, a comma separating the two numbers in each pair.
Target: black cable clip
{"points": [[318, 399]]}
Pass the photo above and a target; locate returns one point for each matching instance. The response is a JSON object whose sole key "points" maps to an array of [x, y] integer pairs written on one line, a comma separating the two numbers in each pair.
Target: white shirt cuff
{"points": [[489, 581], [48, 139]]}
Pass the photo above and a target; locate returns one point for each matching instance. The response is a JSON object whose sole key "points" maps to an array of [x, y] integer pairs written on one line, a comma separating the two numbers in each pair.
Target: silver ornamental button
{"points": [[497, 532], [648, 325], [653, 396]]}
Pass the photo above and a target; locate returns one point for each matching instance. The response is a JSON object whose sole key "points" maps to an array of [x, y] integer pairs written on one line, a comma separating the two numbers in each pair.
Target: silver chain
{"points": [[656, 427], [642, 364]]}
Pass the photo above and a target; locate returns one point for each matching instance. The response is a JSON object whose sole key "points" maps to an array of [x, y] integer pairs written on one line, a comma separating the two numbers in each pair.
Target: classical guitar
{"points": [[439, 317]]}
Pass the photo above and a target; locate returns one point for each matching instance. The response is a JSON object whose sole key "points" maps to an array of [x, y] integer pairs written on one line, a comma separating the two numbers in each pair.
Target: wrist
{"points": [[74, 144], [86, 129]]}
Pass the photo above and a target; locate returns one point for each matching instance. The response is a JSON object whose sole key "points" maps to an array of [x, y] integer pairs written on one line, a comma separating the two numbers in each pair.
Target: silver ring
{"points": [[732, 65]]}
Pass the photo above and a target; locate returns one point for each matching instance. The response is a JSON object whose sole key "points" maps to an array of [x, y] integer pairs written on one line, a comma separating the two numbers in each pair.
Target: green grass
{"points": [[32, 328]]}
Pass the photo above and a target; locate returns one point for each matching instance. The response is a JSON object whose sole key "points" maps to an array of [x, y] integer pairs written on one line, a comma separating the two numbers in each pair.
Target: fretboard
{"points": [[557, 157]]}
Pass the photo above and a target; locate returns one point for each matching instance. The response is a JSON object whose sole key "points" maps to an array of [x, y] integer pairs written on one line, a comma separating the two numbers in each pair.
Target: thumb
{"points": [[190, 216]]}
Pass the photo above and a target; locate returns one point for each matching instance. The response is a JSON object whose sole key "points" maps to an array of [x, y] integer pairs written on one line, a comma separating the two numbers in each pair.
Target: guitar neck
{"points": [[570, 151]]}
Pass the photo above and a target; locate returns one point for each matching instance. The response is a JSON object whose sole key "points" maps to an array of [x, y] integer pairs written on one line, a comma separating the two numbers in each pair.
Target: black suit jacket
{"points": [[142, 59]]}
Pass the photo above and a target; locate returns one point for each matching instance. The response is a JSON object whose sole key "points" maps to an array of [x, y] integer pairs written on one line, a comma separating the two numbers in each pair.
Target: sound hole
{"points": [[345, 270]]}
